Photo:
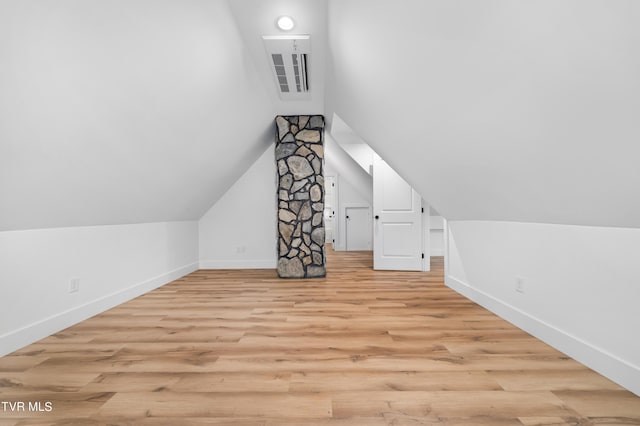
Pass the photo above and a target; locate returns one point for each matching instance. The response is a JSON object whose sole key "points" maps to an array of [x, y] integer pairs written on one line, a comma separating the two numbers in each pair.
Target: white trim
{"points": [[445, 225], [620, 371], [239, 264], [31, 333], [437, 252], [338, 218], [335, 208], [426, 235]]}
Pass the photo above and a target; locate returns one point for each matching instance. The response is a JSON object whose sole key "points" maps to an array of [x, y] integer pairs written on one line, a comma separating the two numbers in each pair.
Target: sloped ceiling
{"points": [[144, 111], [497, 110], [340, 161], [123, 111]]}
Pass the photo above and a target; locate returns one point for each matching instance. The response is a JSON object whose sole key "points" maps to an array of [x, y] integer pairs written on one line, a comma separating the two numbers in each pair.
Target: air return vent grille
{"points": [[289, 57], [300, 71]]}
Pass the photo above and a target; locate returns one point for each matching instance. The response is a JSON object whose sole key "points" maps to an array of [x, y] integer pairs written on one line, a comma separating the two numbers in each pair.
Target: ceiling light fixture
{"points": [[285, 23]]}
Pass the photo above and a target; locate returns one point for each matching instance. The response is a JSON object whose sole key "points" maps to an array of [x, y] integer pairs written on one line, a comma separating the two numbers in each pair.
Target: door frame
{"points": [[336, 218], [343, 216], [426, 236]]}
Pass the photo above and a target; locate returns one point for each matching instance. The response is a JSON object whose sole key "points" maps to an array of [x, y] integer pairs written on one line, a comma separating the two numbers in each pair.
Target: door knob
{"points": [[377, 217]]}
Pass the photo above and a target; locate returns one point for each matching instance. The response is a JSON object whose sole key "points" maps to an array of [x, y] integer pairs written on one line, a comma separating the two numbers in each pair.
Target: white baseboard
{"points": [[239, 264], [601, 361], [437, 252], [31, 333]]}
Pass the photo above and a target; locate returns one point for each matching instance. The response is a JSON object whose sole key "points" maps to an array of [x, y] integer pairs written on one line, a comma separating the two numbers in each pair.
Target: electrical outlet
{"points": [[241, 249], [520, 284], [74, 285]]}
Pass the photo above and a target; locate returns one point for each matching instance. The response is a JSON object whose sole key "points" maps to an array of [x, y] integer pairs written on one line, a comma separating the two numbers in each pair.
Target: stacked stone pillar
{"points": [[299, 157]]}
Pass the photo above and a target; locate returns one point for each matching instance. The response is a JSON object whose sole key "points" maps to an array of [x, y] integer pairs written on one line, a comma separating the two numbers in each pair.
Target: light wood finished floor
{"points": [[358, 348]]}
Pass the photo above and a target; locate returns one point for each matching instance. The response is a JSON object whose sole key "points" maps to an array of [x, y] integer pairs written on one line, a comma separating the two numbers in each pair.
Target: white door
{"points": [[397, 225], [329, 208], [358, 228]]}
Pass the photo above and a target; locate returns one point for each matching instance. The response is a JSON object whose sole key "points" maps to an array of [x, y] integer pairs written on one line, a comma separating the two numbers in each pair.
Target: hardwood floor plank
{"points": [[361, 347], [48, 381], [450, 404], [202, 421], [603, 403], [205, 404], [357, 421], [20, 362], [501, 347], [544, 421], [60, 350], [532, 380], [233, 382], [186, 362], [391, 381], [132, 382]]}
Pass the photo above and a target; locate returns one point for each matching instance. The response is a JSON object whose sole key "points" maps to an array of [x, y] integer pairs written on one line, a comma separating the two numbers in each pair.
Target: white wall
{"points": [[352, 144], [340, 162], [114, 264], [497, 110], [116, 112], [362, 153], [239, 231], [581, 286]]}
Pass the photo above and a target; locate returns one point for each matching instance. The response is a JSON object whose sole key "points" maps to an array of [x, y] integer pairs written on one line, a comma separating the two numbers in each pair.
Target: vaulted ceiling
{"points": [[143, 111], [497, 110], [124, 111]]}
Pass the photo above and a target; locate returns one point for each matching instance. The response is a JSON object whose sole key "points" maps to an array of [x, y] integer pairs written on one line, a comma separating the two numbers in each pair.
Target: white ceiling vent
{"points": [[289, 61]]}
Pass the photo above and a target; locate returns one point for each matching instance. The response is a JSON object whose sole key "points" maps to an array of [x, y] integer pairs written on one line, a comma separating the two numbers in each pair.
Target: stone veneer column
{"points": [[299, 160]]}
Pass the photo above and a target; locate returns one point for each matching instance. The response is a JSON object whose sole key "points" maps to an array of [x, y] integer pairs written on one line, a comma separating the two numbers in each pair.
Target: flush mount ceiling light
{"points": [[285, 23]]}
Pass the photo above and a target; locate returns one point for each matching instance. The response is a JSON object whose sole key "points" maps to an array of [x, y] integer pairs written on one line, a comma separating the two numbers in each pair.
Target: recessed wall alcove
{"points": [[299, 156]]}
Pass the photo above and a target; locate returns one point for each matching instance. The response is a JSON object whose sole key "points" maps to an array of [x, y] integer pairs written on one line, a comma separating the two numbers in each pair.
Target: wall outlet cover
{"points": [[74, 285]]}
